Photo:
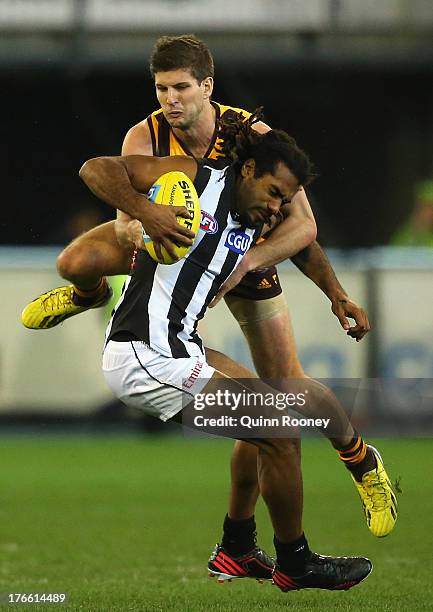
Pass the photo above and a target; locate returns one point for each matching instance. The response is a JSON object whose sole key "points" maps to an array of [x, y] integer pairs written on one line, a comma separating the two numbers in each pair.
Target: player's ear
{"points": [[207, 87], [248, 168]]}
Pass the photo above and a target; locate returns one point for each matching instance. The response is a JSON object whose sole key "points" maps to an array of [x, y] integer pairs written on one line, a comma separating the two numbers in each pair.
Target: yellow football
{"points": [[174, 189]]}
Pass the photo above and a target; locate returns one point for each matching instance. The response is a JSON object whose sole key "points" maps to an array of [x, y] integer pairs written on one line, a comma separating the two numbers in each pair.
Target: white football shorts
{"points": [[158, 385]]}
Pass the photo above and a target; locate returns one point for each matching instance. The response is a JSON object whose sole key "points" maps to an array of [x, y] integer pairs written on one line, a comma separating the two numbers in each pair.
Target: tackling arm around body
{"points": [[295, 231], [121, 183], [294, 238], [129, 231]]}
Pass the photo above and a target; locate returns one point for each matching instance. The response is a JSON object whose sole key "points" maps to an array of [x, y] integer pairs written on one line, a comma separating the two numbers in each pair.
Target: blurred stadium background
{"points": [[352, 81]]}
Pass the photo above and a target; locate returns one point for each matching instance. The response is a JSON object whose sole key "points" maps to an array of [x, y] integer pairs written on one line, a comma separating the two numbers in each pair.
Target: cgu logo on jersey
{"points": [[238, 241], [208, 223]]}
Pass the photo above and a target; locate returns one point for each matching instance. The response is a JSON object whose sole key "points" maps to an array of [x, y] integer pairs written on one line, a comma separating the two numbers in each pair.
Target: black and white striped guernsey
{"points": [[162, 304]]}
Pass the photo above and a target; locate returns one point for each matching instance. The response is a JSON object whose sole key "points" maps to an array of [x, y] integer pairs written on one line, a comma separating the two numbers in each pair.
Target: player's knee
{"points": [[245, 481], [71, 263], [277, 448]]}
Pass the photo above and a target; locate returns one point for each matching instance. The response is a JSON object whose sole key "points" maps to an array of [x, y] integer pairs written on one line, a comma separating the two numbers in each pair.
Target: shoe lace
{"points": [[377, 492], [56, 298]]}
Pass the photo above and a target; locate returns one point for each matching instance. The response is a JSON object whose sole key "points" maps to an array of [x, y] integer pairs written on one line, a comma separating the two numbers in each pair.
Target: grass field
{"points": [[128, 523]]}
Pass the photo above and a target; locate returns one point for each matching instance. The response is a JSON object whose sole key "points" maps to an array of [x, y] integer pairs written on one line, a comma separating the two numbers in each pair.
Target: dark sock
{"points": [[357, 457], [291, 556], [366, 465], [239, 536], [86, 297]]}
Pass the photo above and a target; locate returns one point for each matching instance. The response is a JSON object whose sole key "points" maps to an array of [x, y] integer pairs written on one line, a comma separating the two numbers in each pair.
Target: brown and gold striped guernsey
{"points": [[165, 143], [259, 285]]}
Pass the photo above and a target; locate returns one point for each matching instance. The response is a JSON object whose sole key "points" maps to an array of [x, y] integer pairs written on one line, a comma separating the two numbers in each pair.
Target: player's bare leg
{"points": [[239, 524], [280, 482], [244, 489], [85, 263], [278, 361], [274, 465], [92, 256]]}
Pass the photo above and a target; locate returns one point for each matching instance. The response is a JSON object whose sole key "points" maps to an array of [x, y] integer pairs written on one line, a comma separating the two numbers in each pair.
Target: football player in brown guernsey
{"points": [[182, 67]]}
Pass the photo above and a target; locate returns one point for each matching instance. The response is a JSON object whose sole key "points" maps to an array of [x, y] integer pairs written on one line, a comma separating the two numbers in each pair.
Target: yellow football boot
{"points": [[378, 498], [53, 307]]}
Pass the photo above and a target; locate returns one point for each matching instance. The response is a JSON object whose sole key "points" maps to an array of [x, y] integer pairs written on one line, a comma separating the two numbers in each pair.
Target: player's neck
{"points": [[199, 136]]}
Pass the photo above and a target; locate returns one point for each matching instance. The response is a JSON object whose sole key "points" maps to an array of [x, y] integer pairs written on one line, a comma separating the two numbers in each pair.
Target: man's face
{"points": [[182, 97], [259, 199]]}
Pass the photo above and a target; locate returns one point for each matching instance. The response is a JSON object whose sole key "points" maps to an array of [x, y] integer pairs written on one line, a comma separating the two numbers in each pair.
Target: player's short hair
{"points": [[184, 52], [239, 142]]}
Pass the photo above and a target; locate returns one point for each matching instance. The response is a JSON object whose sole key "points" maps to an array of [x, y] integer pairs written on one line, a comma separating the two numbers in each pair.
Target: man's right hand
{"points": [[161, 226], [160, 223]]}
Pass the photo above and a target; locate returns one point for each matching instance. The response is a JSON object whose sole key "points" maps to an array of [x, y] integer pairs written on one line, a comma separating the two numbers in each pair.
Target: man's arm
{"points": [[313, 262], [136, 142], [128, 230], [296, 231], [122, 181], [295, 238]]}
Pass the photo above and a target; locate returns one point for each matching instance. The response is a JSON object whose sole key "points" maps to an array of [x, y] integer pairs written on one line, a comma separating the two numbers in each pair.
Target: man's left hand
{"points": [[230, 283], [343, 307]]}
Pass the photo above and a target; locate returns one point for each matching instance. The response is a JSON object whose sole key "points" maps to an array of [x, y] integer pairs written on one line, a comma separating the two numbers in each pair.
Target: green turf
{"points": [[127, 524]]}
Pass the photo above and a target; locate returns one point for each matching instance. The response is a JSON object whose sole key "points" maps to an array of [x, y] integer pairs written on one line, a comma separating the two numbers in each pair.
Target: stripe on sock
{"points": [[354, 454], [88, 293]]}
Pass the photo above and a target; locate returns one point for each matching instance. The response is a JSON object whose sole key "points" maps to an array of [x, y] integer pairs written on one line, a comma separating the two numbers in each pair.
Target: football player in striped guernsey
{"points": [[182, 68], [154, 358]]}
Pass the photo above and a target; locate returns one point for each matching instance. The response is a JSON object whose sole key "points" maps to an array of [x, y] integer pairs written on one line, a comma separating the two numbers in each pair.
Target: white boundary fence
{"points": [[59, 369]]}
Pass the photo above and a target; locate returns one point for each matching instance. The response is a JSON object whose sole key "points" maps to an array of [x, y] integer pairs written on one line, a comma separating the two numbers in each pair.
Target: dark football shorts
{"points": [[261, 285]]}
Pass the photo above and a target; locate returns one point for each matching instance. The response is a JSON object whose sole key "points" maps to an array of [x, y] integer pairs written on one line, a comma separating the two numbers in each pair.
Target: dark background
{"points": [[368, 128]]}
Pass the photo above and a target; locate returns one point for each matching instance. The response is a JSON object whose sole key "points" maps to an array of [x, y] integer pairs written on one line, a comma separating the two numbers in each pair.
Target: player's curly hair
{"points": [[239, 142], [185, 52]]}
